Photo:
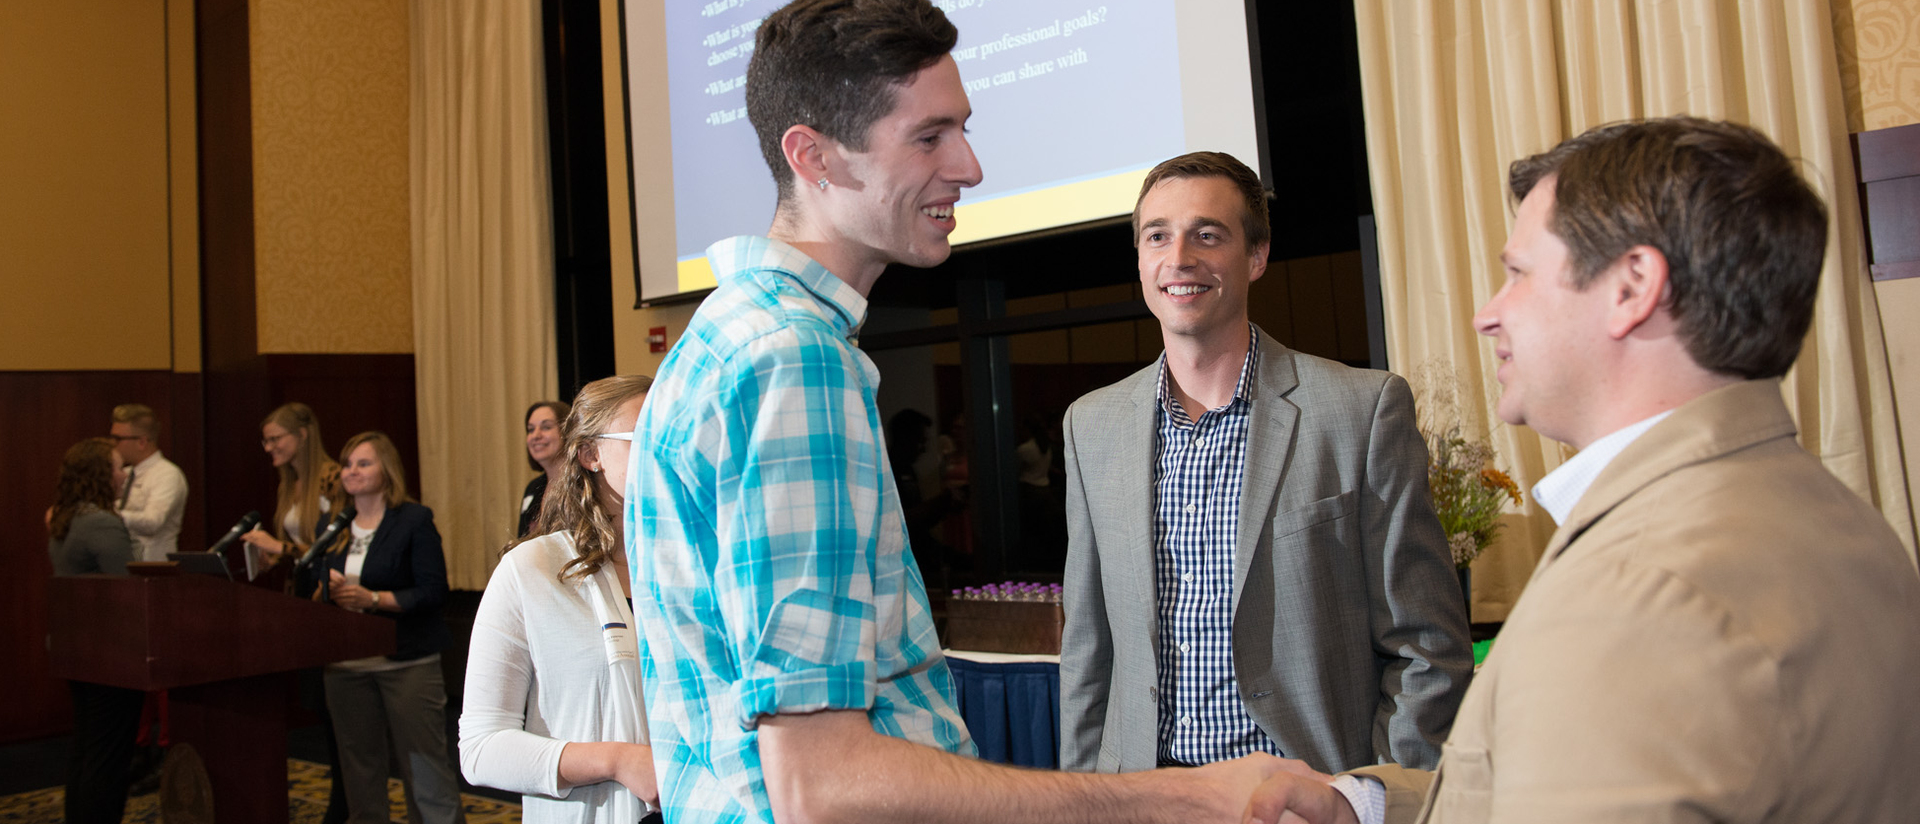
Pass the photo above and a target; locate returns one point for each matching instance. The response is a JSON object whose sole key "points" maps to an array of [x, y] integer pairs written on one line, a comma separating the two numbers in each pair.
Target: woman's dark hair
{"points": [[86, 477], [559, 415]]}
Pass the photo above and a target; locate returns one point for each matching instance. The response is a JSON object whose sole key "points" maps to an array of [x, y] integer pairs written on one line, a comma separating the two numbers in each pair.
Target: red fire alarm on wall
{"points": [[657, 339]]}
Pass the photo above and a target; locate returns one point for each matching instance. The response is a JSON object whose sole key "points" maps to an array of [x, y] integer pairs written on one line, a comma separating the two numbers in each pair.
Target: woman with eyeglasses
{"points": [[553, 708], [389, 564], [543, 454], [84, 535], [308, 496], [309, 486]]}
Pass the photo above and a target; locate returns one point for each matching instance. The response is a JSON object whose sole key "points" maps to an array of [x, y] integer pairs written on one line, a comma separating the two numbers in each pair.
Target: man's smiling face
{"points": [[896, 198], [1195, 259]]}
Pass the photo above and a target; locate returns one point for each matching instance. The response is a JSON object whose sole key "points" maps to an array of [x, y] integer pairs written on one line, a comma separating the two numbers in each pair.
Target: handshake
{"points": [[1278, 791]]}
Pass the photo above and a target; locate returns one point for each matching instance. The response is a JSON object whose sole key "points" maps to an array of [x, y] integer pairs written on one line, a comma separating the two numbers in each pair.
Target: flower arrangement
{"points": [[1468, 493]]}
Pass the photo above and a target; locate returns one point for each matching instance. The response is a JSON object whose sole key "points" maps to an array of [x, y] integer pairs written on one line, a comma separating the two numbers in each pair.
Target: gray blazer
{"points": [[97, 541], [1349, 633]]}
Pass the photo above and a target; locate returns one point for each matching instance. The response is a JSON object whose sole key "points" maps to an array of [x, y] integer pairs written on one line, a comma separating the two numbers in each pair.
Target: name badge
{"points": [[619, 641]]}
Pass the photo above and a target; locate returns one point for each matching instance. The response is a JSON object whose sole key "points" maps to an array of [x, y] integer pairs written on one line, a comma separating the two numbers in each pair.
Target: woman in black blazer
{"points": [[389, 564], [543, 455]]}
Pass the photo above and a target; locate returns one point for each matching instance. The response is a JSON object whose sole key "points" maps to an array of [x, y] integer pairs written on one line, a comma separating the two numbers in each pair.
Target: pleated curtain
{"points": [[482, 266]]}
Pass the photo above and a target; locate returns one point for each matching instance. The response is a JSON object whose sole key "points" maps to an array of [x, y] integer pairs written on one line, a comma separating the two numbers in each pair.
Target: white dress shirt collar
{"points": [[147, 461], [1562, 488]]}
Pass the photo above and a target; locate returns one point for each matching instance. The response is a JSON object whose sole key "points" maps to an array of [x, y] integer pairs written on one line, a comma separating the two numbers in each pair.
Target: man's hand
{"points": [[1301, 795], [1223, 786]]}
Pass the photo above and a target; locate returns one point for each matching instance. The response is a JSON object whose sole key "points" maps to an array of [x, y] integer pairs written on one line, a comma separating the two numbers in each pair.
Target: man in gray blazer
{"points": [[1254, 564]]}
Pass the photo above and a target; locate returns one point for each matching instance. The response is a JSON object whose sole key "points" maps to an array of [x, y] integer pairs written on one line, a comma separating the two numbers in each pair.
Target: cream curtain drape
{"points": [[1455, 90], [482, 266]]}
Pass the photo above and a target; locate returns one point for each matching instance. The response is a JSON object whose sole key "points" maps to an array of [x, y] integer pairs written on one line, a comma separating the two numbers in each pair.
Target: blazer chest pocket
{"points": [[1463, 789], [1319, 512]]}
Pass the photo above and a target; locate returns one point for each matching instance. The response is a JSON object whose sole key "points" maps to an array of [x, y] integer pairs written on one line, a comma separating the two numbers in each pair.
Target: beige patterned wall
{"points": [[84, 264], [333, 262], [1879, 51]]}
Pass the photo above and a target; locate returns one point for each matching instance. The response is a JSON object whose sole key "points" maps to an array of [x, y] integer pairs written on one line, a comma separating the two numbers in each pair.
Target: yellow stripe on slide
{"points": [[1046, 208]]}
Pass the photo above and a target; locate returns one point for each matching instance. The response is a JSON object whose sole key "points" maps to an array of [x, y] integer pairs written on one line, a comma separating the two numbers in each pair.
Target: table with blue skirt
{"points": [[1011, 704]]}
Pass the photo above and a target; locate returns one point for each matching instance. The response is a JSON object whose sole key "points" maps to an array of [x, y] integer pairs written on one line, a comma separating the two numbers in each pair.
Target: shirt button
{"points": [[1184, 646], [1153, 693], [1188, 578], [1186, 720], [1190, 509]]}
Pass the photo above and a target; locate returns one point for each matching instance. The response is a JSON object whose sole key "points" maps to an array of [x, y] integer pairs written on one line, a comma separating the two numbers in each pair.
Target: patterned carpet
{"points": [[306, 802]]}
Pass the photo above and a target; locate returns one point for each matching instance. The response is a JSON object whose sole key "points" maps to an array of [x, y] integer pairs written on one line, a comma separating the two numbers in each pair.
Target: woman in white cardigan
{"points": [[553, 707]]}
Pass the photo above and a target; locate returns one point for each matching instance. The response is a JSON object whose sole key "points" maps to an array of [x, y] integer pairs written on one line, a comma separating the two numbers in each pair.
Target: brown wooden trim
{"points": [[1892, 212], [1884, 154], [1896, 271]]}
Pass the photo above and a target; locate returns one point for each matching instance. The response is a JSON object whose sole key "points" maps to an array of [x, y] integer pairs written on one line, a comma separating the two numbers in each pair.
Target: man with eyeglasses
{"points": [[153, 496]]}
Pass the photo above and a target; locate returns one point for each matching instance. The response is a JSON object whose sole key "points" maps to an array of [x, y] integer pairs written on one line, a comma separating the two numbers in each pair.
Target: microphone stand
{"points": [[317, 553]]}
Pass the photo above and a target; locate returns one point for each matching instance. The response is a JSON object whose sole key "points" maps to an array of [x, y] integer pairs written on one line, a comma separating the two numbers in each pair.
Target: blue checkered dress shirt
{"points": [[1199, 468], [771, 572]]}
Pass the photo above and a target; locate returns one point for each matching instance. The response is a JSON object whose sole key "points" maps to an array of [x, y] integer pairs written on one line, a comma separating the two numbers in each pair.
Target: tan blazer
{"points": [[1720, 632]]}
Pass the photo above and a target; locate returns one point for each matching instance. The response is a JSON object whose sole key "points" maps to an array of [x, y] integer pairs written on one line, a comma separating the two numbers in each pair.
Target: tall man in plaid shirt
{"points": [[791, 665], [1253, 564]]}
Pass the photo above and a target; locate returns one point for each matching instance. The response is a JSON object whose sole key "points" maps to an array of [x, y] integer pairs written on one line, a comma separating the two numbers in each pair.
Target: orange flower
{"points": [[1499, 480]]}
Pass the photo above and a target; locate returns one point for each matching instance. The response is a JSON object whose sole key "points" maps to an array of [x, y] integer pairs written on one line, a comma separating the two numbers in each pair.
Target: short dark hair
{"points": [[905, 425], [833, 65], [1743, 234], [1253, 220]]}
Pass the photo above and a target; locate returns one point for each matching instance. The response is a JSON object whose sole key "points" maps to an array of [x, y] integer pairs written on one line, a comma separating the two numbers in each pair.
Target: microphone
{"points": [[247, 522], [333, 531]]}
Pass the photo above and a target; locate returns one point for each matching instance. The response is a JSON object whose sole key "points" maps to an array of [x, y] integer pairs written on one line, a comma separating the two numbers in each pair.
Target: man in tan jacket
{"points": [[1720, 630]]}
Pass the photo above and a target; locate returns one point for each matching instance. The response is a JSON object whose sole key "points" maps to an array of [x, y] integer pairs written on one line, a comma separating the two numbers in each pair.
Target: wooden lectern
{"points": [[224, 650]]}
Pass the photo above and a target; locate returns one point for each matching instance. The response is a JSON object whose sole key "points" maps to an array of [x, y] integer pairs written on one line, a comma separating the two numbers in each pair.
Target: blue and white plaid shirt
{"points": [[1199, 468], [771, 572]]}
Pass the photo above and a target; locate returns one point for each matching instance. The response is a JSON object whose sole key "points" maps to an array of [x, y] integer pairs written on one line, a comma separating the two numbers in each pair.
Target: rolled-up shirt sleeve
{"points": [[797, 531]]}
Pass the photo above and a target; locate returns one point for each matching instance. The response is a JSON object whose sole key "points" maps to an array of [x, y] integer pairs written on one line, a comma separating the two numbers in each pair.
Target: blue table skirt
{"points": [[1012, 710]]}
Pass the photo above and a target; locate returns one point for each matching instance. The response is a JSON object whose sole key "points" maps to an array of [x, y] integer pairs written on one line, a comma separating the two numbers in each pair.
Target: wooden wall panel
{"points": [[1888, 165], [351, 394], [46, 413]]}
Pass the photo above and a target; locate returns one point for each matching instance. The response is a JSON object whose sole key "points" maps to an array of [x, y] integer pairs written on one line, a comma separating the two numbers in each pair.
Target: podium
{"points": [[223, 650]]}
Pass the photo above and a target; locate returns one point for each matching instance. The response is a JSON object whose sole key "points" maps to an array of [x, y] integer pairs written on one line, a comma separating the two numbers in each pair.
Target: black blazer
{"points": [[405, 559], [530, 503]]}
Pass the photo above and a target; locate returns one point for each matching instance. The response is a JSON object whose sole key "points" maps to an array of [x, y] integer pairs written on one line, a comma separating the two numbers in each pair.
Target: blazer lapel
{"points": [[1269, 445], [1134, 427], [1715, 424]]}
